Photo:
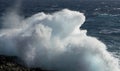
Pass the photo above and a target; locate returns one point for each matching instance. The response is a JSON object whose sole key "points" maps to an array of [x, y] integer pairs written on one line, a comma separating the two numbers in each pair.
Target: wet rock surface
{"points": [[8, 63]]}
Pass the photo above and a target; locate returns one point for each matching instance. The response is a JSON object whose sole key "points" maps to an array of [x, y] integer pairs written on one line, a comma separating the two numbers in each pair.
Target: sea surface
{"points": [[102, 17]]}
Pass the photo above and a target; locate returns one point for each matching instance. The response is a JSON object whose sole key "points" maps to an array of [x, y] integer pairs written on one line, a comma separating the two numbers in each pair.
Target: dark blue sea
{"points": [[102, 17]]}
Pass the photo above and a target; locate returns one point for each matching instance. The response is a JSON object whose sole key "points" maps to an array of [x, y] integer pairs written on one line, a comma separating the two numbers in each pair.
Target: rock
{"points": [[8, 63]]}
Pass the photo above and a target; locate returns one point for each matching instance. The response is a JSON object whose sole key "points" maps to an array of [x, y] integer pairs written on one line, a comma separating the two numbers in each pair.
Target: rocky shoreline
{"points": [[8, 63]]}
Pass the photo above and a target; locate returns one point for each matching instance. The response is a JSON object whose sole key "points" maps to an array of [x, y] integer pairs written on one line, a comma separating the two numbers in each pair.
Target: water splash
{"points": [[54, 42]]}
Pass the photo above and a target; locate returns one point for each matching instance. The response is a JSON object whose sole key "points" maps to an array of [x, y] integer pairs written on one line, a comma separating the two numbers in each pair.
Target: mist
{"points": [[54, 42]]}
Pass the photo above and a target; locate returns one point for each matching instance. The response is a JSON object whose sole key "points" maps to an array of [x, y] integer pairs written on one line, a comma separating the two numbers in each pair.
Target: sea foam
{"points": [[54, 42]]}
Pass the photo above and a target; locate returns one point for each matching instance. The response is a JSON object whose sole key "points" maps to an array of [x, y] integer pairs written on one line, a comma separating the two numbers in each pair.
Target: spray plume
{"points": [[54, 42]]}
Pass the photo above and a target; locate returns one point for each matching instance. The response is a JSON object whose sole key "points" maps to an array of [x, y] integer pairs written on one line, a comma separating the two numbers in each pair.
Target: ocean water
{"points": [[102, 17], [102, 20]]}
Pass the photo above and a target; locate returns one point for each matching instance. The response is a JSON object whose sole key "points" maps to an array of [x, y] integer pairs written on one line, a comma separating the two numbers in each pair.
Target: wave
{"points": [[54, 42], [111, 15], [110, 31]]}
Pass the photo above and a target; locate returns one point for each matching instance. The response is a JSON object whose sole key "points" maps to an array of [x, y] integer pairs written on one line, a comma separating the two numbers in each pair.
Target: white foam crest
{"points": [[55, 42]]}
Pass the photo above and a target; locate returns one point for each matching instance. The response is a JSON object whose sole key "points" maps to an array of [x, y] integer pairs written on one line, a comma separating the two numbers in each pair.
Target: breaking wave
{"points": [[54, 42]]}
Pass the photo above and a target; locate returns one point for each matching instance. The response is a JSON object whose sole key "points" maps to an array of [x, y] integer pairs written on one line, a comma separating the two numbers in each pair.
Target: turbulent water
{"points": [[63, 40]]}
